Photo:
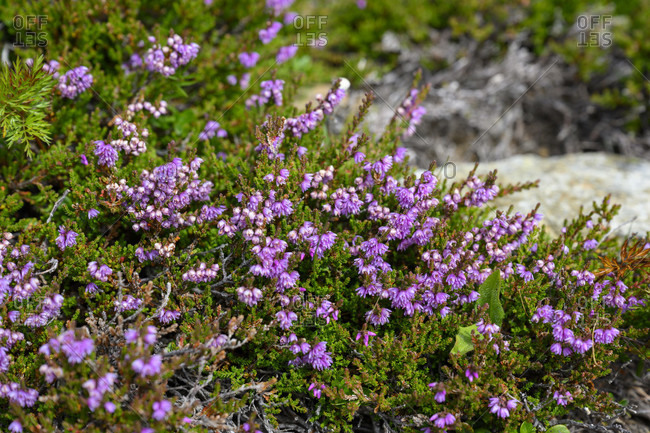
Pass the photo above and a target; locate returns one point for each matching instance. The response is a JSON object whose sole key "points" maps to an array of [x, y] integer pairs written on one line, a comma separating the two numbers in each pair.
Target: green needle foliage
{"points": [[25, 101]]}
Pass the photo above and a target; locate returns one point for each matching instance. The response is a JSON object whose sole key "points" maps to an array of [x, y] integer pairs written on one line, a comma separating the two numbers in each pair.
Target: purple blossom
{"points": [[378, 319], [74, 82], [271, 89], [92, 213], [99, 272], [442, 419], [605, 336], [15, 394], [277, 6], [285, 53], [167, 316], [366, 336], [160, 409], [487, 328], [129, 303], [67, 238], [590, 244], [318, 357], [16, 427], [249, 60], [471, 374], [441, 392], [268, 34], [249, 296], [211, 129], [501, 407], [147, 368], [316, 389], [84, 160], [285, 318], [91, 288], [106, 154], [562, 399], [166, 60]]}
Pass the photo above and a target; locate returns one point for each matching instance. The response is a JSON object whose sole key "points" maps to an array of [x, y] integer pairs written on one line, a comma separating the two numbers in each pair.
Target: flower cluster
{"points": [[67, 238], [74, 350], [211, 129], [74, 82], [99, 272], [97, 388], [202, 273], [166, 59], [249, 60], [136, 107], [308, 121], [271, 89], [269, 33], [163, 194], [412, 112]]}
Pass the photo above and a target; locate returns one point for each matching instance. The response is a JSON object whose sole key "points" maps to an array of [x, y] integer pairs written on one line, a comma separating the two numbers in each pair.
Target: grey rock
{"points": [[573, 180]]}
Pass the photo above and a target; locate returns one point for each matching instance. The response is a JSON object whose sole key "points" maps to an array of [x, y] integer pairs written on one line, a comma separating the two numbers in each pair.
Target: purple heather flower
{"points": [[366, 336], [471, 374], [212, 128], [147, 368], [378, 319], [487, 328], [590, 244], [16, 427], [91, 288], [231, 79], [109, 407], [67, 238], [167, 316], [442, 419], [106, 154], [13, 315], [268, 34], [131, 335], [160, 409], [285, 53], [277, 6], [128, 303], [285, 319], [74, 82], [562, 399], [605, 336], [22, 397], [318, 357], [84, 160], [361, 4], [270, 89], [92, 213], [249, 60], [316, 389], [501, 407]]}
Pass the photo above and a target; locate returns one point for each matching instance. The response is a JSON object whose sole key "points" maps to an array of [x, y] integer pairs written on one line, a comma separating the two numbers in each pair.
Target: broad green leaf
{"points": [[490, 291], [464, 340], [526, 427], [558, 429]]}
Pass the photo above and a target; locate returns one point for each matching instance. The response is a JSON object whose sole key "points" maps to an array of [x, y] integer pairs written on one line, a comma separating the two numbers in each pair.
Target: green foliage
{"points": [[253, 374], [490, 291], [24, 104]]}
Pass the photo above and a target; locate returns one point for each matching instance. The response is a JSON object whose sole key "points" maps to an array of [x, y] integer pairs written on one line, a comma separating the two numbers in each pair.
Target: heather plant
{"points": [[192, 253]]}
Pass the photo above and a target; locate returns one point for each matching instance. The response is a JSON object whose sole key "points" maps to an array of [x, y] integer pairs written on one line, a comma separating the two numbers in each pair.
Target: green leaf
{"points": [[464, 340], [560, 428], [489, 291], [526, 427]]}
